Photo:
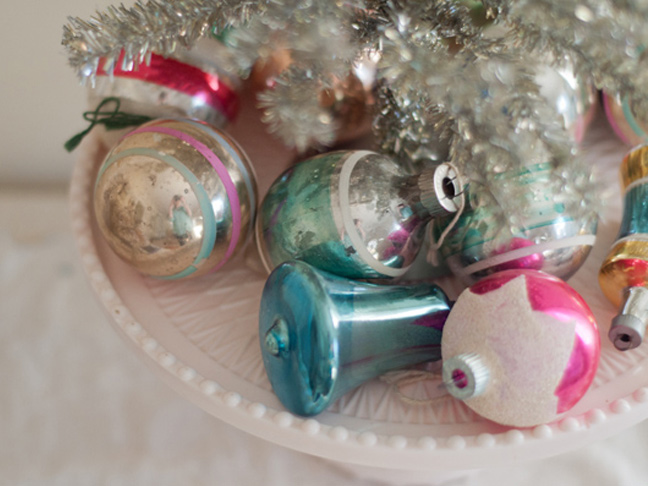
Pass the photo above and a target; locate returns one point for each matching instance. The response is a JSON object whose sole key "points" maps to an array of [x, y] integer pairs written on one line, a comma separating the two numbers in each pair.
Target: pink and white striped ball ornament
{"points": [[176, 198], [520, 347]]}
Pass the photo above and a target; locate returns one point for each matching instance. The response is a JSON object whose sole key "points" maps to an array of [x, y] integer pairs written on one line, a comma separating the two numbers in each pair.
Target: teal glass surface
{"points": [[297, 219], [323, 335], [635, 211], [356, 213]]}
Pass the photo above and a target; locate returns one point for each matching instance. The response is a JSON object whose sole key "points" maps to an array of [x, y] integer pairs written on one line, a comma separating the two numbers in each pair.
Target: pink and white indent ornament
{"points": [[520, 347]]}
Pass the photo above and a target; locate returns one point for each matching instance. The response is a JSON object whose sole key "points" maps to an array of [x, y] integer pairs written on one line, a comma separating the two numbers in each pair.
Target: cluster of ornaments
{"points": [[177, 198]]}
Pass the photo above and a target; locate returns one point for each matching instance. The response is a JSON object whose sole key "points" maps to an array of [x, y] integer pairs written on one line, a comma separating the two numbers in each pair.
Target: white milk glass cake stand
{"points": [[200, 335]]}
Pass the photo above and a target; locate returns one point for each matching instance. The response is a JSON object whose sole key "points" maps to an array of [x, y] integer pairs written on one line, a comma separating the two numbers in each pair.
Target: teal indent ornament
{"points": [[323, 335], [357, 214]]}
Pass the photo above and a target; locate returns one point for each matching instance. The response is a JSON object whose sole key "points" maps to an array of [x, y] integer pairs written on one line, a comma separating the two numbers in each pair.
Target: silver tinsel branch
{"points": [[602, 38], [455, 78], [156, 26]]}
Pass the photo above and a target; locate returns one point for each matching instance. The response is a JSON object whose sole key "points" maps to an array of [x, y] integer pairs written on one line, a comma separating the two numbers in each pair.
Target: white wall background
{"points": [[41, 101]]}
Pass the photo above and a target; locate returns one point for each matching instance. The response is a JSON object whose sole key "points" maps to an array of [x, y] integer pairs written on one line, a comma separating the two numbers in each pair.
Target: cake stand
{"points": [[201, 337]]}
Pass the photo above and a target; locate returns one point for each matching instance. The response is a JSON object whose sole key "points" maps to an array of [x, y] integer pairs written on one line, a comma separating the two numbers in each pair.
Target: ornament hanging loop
{"points": [[452, 181], [110, 119]]}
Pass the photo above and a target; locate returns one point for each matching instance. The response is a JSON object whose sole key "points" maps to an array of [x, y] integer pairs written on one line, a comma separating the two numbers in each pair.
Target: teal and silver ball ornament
{"points": [[175, 198], [356, 214]]}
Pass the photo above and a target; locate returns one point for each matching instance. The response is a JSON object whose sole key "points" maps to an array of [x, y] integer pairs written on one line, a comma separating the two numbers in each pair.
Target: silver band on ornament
{"points": [[344, 187], [579, 240]]}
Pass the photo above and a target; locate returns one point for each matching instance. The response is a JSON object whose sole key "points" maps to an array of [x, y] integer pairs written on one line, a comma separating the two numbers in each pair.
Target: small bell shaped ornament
{"points": [[356, 214], [549, 237], [520, 347], [175, 198], [623, 276], [322, 335]]}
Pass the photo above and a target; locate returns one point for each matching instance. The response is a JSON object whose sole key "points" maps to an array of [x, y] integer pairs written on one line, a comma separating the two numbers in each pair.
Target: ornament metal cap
{"points": [[628, 328], [465, 376], [440, 188]]}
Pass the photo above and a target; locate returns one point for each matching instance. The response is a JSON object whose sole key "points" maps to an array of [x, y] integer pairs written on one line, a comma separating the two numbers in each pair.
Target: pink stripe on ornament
{"points": [[607, 107], [223, 174], [554, 297]]}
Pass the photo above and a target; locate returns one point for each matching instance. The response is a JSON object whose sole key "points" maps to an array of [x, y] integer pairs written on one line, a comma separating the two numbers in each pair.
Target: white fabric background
{"points": [[76, 408]]}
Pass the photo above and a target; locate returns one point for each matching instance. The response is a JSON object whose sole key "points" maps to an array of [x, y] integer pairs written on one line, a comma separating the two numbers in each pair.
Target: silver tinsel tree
{"points": [[444, 79]]}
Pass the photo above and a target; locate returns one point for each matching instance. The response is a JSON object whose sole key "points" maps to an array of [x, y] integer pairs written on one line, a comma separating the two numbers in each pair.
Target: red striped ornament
{"points": [[184, 86]]}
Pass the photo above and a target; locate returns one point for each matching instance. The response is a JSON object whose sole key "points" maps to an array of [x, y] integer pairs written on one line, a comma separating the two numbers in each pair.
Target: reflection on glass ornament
{"points": [[323, 335], [629, 126], [190, 84], [520, 348], [573, 99], [549, 238], [353, 213], [623, 276], [175, 198]]}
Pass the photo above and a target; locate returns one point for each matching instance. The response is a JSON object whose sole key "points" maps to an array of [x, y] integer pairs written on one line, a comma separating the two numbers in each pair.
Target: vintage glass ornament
{"points": [[323, 335], [574, 99], [629, 126], [175, 198], [549, 239], [190, 84], [352, 213], [520, 347], [623, 276]]}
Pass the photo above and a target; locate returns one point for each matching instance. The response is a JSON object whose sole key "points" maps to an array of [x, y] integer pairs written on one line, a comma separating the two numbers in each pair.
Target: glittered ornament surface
{"points": [[175, 198], [536, 338]]}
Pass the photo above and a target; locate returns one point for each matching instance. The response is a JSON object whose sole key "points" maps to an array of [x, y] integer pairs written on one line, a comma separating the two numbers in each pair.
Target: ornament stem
{"points": [[629, 326]]}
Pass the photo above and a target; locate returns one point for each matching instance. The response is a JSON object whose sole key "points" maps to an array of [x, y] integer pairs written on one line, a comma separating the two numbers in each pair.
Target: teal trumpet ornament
{"points": [[322, 335]]}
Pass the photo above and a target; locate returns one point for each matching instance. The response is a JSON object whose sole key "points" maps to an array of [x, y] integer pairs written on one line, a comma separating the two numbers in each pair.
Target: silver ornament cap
{"points": [[629, 326], [465, 376], [441, 187]]}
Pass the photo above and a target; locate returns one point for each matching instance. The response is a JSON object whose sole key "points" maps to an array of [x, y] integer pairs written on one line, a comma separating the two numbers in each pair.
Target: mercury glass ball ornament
{"points": [[574, 99], [356, 214], [175, 198], [623, 275], [548, 238], [520, 348]]}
